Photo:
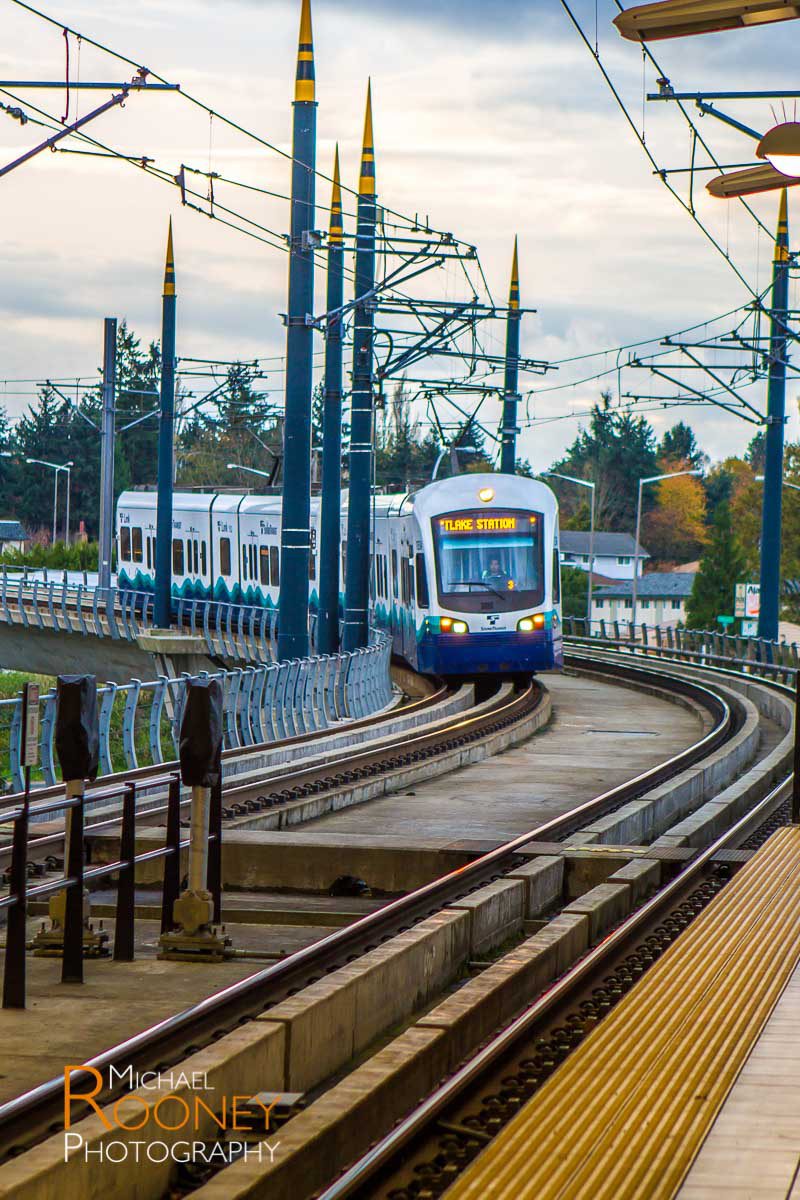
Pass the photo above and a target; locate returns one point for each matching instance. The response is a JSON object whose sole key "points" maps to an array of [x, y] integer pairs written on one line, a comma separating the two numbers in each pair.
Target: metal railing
{"points": [[140, 721], [246, 633], [756, 656]]}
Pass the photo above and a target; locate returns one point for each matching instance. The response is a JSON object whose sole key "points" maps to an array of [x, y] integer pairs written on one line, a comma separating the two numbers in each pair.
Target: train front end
{"points": [[492, 552]]}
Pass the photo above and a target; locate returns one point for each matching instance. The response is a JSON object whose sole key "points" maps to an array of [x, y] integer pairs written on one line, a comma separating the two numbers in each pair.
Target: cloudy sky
{"points": [[491, 117]]}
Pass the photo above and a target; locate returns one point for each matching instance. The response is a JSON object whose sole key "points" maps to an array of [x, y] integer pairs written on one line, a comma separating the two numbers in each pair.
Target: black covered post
{"points": [[214, 881], [77, 741], [200, 756], [172, 862], [126, 880]]}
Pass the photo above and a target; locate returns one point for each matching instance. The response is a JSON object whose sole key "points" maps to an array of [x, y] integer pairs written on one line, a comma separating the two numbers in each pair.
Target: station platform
{"points": [[691, 1086]]}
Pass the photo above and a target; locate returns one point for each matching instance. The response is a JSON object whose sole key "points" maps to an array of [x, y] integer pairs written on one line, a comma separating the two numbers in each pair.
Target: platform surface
{"points": [[627, 1113]]}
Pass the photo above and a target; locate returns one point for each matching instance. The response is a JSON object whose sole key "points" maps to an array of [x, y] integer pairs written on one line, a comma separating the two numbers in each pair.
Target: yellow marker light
{"points": [[538, 621], [460, 627], [486, 494]]}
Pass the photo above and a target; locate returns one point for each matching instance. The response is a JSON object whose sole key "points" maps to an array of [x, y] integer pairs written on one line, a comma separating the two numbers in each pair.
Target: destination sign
{"points": [[486, 522]]}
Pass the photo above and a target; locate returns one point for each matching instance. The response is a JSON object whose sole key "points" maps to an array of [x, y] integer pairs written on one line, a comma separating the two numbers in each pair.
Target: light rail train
{"points": [[465, 571]]}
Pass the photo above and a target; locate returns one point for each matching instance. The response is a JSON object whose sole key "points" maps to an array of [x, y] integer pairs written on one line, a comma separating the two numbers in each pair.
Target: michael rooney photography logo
{"points": [[164, 1115]]}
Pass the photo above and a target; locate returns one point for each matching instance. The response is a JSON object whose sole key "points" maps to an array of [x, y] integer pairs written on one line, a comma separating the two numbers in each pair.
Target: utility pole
{"points": [[107, 449], [776, 411], [163, 588], [508, 452], [296, 519], [356, 630], [330, 521]]}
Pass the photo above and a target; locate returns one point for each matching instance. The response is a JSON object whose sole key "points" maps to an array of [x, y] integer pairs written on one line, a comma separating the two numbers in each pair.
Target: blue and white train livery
{"points": [[465, 571]]}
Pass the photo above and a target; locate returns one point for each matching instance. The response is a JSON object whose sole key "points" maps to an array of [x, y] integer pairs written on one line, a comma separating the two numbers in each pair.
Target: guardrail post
{"points": [[126, 880], [14, 971], [74, 900], [172, 862], [214, 880]]}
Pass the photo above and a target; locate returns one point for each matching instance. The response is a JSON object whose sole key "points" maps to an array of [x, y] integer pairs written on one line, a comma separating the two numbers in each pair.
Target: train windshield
{"points": [[489, 561]]}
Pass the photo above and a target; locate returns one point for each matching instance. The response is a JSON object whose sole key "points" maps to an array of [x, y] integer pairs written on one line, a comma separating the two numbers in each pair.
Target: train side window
{"points": [[203, 557], [225, 556], [177, 556], [196, 566], [275, 566], [423, 600], [312, 565], [556, 578], [263, 565], [252, 561], [344, 561], [125, 543], [244, 562], [136, 544], [394, 574]]}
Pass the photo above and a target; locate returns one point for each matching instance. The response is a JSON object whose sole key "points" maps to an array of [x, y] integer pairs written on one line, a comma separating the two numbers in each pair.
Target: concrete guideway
{"points": [[471, 928]]}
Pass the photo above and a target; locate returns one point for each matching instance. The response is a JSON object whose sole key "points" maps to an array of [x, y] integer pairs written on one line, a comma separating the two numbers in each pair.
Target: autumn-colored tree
{"points": [[675, 530]]}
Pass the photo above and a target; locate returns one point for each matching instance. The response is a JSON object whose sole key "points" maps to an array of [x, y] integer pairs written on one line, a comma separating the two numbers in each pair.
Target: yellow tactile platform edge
{"points": [[626, 1114]]}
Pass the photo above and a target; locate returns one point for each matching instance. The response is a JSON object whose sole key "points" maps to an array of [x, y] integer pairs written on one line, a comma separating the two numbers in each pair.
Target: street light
{"points": [[682, 18], [56, 467], [647, 479], [451, 450], [785, 482], [268, 475], [587, 484]]}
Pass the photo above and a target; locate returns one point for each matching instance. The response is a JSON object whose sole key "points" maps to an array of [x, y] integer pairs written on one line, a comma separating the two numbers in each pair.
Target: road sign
{"points": [[725, 620], [30, 724]]}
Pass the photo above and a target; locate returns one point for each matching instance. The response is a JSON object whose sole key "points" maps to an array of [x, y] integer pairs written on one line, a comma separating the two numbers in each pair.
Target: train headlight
{"points": [[486, 494], [460, 627], [528, 624]]}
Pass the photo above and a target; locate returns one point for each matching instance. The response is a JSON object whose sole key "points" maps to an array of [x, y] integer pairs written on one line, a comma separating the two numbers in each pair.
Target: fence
{"points": [[780, 660], [140, 721], [246, 633]]}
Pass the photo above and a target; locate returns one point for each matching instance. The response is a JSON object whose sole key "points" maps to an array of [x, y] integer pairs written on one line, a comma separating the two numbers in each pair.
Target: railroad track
{"points": [[425, 1153], [33, 1115]]}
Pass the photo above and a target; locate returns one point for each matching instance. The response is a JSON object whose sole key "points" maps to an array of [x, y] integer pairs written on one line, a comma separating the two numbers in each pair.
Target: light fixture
{"points": [[486, 494], [780, 146], [684, 18], [749, 182], [528, 624], [460, 627]]}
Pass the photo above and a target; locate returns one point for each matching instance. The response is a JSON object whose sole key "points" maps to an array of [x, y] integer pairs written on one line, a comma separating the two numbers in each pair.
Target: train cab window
{"points": [[225, 556], [423, 600], [177, 556], [136, 544], [556, 579], [394, 574], [490, 560], [263, 565], [203, 558], [275, 566], [125, 543]]}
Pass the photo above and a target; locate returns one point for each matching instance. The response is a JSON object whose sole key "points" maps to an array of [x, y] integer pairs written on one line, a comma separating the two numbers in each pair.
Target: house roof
{"points": [[606, 545], [12, 531], [671, 585]]}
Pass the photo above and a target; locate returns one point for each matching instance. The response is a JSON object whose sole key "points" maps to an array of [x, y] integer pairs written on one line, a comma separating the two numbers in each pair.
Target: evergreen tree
{"points": [[679, 445], [756, 452], [721, 568]]}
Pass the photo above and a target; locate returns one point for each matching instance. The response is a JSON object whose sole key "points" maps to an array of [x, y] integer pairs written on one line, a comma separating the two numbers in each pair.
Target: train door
{"points": [[224, 565]]}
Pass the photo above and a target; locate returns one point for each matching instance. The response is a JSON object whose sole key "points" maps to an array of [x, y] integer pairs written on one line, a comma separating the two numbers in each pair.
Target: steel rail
{"points": [[30, 1114]]}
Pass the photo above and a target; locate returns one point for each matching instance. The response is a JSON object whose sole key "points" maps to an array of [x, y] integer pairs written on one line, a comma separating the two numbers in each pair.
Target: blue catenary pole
{"points": [[163, 586], [508, 452], [296, 519], [776, 408], [356, 630], [330, 523]]}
